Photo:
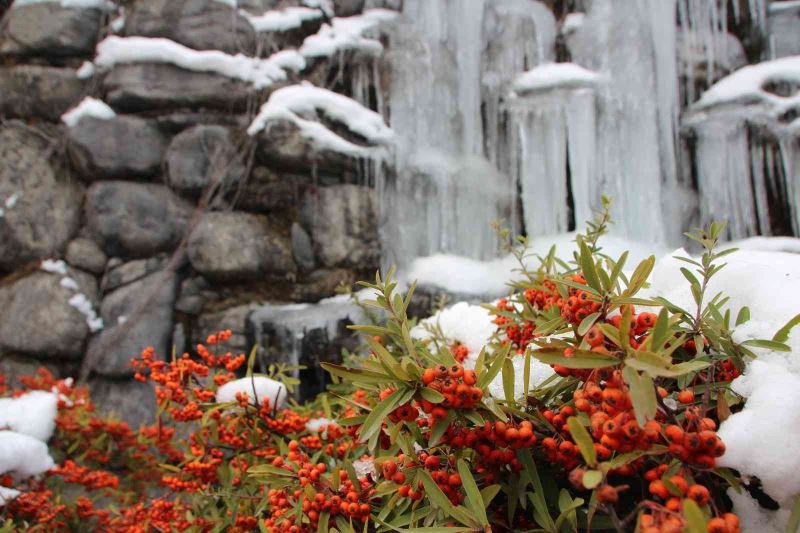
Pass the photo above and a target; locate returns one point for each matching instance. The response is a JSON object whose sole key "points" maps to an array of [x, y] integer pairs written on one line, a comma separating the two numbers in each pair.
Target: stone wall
{"points": [[167, 221]]}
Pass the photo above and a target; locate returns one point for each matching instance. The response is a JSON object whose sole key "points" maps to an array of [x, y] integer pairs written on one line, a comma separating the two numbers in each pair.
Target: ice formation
{"points": [[88, 107], [296, 102], [257, 388]]}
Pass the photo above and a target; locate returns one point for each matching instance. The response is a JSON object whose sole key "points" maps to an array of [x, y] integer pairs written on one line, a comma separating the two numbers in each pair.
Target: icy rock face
{"points": [[305, 334], [744, 134], [448, 70], [783, 19]]}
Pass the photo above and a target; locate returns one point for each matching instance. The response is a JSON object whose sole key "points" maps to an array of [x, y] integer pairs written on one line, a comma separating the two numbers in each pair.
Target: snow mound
{"points": [[23, 455], [471, 325], [260, 73], [296, 101], [6, 495], [257, 388], [754, 518], [316, 425], [538, 374], [348, 34], [32, 414], [747, 85], [554, 75], [281, 19], [89, 107]]}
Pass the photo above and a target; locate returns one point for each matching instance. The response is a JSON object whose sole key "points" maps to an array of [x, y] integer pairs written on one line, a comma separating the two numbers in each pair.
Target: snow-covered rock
{"points": [[257, 388]]}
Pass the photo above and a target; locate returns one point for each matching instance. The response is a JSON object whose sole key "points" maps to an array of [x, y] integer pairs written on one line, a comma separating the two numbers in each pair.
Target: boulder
{"points": [[48, 29], [147, 86], [38, 212], [342, 221], [238, 246], [198, 24], [266, 190], [13, 368], [202, 155], [126, 273], [348, 8], [128, 400], [232, 318], [120, 147], [135, 219], [302, 248], [192, 297], [322, 284], [38, 318], [85, 254], [136, 316], [35, 91]]}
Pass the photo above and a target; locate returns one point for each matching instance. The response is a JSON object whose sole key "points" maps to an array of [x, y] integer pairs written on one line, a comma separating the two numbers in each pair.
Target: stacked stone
{"points": [[171, 221]]}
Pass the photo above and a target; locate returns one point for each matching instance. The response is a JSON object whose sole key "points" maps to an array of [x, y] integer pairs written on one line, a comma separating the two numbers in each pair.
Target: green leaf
{"points": [[438, 498], [729, 477], [387, 361], [439, 428], [582, 358], [640, 275], [643, 394], [744, 316], [526, 374], [794, 517], [357, 375], [587, 323], [372, 424], [588, 267], [618, 268], [537, 497], [474, 499], [488, 493], [689, 276], [770, 345], [567, 506], [782, 335], [508, 381], [322, 526], [695, 519], [431, 395], [592, 478], [583, 440], [660, 333], [495, 368], [251, 361]]}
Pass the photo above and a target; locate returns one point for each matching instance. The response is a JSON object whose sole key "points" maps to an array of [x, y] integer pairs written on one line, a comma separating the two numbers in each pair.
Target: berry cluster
{"points": [[456, 384]]}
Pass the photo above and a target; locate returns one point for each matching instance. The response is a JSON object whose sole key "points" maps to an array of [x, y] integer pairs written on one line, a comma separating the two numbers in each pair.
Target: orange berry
{"points": [[686, 396]]}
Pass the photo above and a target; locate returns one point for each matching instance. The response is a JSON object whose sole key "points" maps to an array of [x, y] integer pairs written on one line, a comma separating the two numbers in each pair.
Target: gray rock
{"points": [[342, 222], [36, 91], [39, 212], [231, 245], [179, 339], [348, 8], [37, 318], [282, 146], [177, 121], [203, 155], [48, 29], [146, 86], [128, 400], [302, 248], [191, 298], [322, 284], [136, 316], [783, 22], [131, 271], [86, 255], [135, 219], [266, 190], [121, 147], [13, 368], [198, 24], [235, 319]]}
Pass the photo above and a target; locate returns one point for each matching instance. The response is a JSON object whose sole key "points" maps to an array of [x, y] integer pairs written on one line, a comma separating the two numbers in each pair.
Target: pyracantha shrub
{"points": [[409, 437]]}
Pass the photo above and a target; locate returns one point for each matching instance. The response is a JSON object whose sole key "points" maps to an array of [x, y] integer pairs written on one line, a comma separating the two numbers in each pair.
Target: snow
{"points": [[260, 73], [325, 5], [755, 519], [23, 455], [69, 283], [348, 34], [767, 244], [86, 4], [365, 467], [775, 7], [85, 71], [552, 75], [538, 374], [9, 202], [256, 388], [84, 305], [54, 266], [296, 101], [31, 414], [747, 84], [118, 23], [7, 494], [315, 425], [472, 325], [281, 20], [89, 107], [462, 275]]}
